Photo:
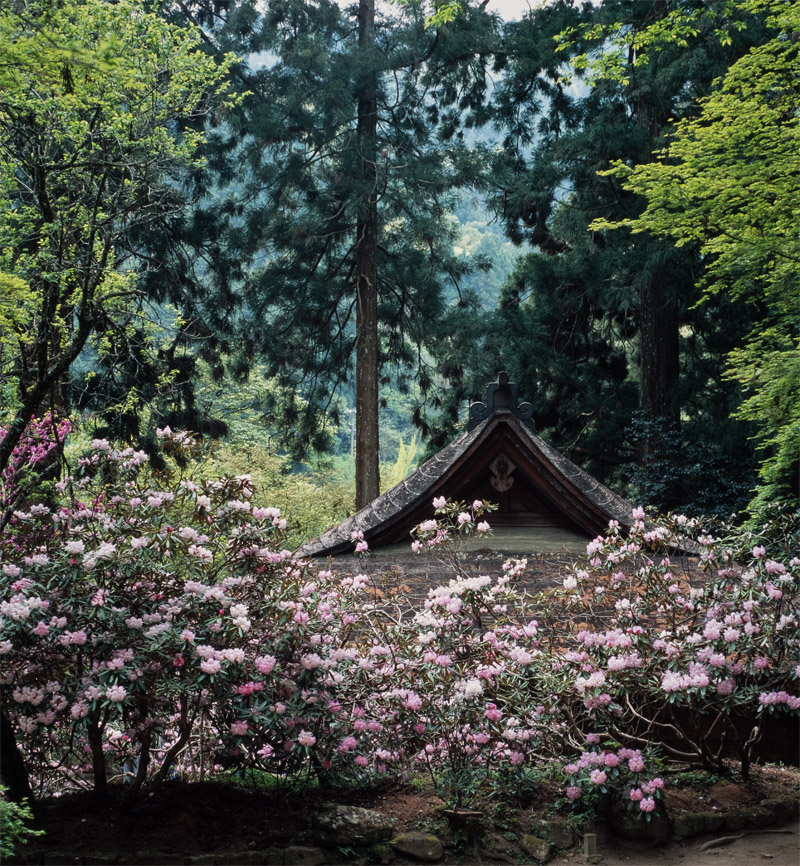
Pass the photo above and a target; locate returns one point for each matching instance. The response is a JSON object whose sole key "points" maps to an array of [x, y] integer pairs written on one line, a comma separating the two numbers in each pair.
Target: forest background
{"points": [[316, 232]]}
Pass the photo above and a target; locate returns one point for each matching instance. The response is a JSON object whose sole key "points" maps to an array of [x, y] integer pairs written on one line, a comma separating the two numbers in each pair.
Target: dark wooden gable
{"points": [[501, 459]]}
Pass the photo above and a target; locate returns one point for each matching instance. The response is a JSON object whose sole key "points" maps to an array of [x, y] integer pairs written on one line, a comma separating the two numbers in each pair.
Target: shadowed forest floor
{"points": [[217, 822]]}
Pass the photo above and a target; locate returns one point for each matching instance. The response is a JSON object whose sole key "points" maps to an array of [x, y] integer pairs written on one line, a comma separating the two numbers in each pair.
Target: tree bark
{"points": [[13, 772], [367, 349], [94, 733], [658, 348], [659, 343]]}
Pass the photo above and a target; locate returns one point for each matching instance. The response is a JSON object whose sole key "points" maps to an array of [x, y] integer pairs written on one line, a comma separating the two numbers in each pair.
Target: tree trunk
{"points": [[13, 773], [658, 349], [367, 354], [659, 352], [94, 732]]}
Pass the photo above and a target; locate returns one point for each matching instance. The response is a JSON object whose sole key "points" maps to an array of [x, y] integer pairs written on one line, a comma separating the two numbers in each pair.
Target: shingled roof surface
{"points": [[584, 503]]}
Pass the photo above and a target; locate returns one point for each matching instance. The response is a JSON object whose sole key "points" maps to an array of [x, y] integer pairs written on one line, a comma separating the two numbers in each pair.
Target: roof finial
{"points": [[501, 396]]}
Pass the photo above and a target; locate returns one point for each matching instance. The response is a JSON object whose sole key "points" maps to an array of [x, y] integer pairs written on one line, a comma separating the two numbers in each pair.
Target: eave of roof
{"points": [[589, 504]]}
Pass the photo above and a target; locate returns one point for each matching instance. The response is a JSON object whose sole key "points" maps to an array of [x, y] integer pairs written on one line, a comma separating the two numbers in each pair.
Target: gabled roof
{"points": [[500, 459]]}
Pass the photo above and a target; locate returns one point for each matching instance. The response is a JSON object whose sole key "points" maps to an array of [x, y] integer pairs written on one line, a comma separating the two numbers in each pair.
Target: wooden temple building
{"points": [[500, 459]]}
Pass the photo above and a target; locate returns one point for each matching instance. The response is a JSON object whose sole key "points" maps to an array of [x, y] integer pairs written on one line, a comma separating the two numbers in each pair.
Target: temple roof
{"points": [[501, 459]]}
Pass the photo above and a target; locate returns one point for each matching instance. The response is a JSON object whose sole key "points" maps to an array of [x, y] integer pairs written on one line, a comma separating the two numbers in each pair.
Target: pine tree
{"points": [[599, 329], [330, 205]]}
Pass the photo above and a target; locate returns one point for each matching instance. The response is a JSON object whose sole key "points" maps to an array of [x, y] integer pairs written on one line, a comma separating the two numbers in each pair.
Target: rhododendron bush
{"points": [[153, 624], [131, 612], [35, 451], [689, 659]]}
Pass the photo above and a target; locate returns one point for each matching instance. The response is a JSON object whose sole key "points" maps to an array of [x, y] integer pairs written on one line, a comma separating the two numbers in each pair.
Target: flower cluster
{"points": [[456, 521], [35, 451], [599, 770]]}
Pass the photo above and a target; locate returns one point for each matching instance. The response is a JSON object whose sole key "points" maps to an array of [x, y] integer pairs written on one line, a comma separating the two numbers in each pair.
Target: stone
{"points": [[558, 830], [420, 846], [539, 849], [685, 824], [781, 809], [294, 855], [58, 858], [757, 816], [710, 821], [590, 854], [381, 854], [154, 858], [226, 858], [735, 821], [599, 829], [352, 825]]}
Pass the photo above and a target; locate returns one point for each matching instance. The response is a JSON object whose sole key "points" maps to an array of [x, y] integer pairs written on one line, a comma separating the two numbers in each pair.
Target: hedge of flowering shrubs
{"points": [[690, 664], [152, 624]]}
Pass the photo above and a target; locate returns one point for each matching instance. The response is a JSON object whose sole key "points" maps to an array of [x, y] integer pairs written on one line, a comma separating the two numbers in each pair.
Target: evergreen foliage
{"points": [[599, 328], [727, 182], [156, 234], [288, 195]]}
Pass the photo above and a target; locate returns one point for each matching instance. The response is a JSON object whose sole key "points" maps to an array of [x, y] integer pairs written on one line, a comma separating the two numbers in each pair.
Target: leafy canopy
{"points": [[727, 181], [94, 102]]}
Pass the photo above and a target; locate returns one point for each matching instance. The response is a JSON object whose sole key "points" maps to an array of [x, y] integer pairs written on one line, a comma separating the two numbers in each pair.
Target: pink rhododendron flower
{"points": [[265, 664], [636, 764], [210, 666]]}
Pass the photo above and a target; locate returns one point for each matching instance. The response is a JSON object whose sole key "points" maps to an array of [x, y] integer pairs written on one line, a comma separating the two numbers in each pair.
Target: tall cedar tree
{"points": [[329, 204], [599, 329]]}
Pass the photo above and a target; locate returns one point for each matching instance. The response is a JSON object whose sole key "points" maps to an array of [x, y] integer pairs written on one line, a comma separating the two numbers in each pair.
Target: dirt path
{"points": [[779, 846]]}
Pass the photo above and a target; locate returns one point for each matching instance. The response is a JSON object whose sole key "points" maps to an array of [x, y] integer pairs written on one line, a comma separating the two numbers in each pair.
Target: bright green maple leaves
{"points": [[96, 102], [728, 181]]}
